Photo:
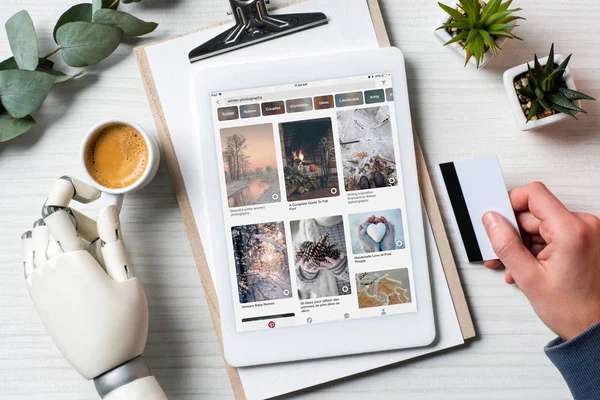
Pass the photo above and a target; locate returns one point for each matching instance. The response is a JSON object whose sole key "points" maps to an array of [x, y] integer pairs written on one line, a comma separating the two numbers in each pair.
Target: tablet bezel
{"points": [[338, 338]]}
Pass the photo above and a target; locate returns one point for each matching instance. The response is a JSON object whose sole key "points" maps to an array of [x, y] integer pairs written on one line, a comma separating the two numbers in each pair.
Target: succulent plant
{"points": [[478, 25], [547, 89]]}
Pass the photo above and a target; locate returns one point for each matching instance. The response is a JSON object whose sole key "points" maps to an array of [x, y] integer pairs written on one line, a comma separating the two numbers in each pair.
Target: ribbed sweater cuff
{"points": [[578, 360]]}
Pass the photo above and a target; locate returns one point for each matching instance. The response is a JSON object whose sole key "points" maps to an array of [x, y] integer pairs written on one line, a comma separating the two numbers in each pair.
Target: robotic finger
{"points": [[27, 253], [113, 251], [66, 189], [62, 229], [41, 239]]}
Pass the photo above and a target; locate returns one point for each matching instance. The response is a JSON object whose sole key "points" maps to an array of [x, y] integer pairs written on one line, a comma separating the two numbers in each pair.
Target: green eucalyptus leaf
{"points": [[23, 40], [9, 63], [130, 25], [96, 5], [11, 127], [79, 12], [87, 43], [22, 92]]}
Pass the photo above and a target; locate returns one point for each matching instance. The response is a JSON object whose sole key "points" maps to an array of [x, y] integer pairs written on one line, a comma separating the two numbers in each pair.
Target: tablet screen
{"points": [[313, 202]]}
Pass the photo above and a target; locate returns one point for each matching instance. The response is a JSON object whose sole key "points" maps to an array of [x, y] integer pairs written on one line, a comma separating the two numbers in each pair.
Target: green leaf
{"points": [[22, 92], [553, 80], [501, 27], [469, 53], [79, 12], [479, 48], [490, 41], [545, 103], [562, 101], [11, 127], [96, 5], [130, 25], [527, 92], [504, 33], [22, 40], [87, 43], [574, 94], [451, 11], [509, 19], [501, 15], [563, 110], [537, 67], [457, 38], [550, 63], [473, 33], [504, 6], [460, 25], [563, 65], [9, 63], [535, 106], [489, 10]]}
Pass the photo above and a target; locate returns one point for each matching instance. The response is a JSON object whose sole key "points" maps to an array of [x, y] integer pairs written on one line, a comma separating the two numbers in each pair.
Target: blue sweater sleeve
{"points": [[578, 360]]}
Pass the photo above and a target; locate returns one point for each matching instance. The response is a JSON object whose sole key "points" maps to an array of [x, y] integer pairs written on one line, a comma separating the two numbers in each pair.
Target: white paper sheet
{"points": [[350, 28]]}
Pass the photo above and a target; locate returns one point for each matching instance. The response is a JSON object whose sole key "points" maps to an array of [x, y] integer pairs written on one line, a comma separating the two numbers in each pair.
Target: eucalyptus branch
{"points": [[86, 34], [53, 52]]}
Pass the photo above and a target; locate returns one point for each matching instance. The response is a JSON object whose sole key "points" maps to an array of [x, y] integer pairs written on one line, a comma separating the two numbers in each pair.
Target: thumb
{"points": [[509, 248]]}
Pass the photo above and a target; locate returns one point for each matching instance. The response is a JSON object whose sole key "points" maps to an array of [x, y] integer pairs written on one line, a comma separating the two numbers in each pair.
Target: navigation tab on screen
{"points": [[389, 94], [273, 108], [228, 113], [323, 102], [374, 96], [349, 99], [250, 111], [299, 105]]}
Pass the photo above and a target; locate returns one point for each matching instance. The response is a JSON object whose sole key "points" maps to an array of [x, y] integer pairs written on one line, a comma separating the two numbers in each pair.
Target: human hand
{"points": [[367, 244], [389, 239], [327, 264], [82, 286], [557, 265]]}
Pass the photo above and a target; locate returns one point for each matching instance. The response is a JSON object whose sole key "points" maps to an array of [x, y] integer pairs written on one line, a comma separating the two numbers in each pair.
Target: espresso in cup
{"points": [[116, 156]]}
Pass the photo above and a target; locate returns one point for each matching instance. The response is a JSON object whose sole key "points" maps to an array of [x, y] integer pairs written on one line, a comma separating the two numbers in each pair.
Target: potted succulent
{"points": [[543, 94], [476, 28]]}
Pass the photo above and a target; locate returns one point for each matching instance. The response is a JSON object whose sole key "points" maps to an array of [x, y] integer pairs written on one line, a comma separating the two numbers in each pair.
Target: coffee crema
{"points": [[117, 156]]}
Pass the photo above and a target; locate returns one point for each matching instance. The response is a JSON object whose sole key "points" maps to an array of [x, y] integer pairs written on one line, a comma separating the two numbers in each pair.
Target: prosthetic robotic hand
{"points": [[82, 286]]}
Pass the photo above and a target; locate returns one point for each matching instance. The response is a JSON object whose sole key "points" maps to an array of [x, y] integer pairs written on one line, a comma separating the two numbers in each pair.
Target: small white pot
{"points": [[509, 77], [444, 37]]}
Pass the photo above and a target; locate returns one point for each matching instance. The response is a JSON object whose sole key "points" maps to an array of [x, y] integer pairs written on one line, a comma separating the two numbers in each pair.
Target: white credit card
{"points": [[474, 187]]}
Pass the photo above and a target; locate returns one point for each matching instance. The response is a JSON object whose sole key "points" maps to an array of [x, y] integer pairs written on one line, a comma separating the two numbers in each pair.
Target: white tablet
{"points": [[317, 226]]}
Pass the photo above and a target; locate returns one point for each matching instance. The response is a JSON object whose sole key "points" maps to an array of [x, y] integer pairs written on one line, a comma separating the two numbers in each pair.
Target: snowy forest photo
{"points": [[261, 262], [250, 165]]}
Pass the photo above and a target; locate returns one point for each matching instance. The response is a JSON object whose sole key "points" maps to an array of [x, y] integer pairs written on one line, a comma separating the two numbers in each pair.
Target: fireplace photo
{"points": [[309, 162]]}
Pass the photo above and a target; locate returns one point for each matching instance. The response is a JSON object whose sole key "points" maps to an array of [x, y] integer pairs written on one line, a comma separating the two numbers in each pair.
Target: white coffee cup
{"points": [[115, 196]]}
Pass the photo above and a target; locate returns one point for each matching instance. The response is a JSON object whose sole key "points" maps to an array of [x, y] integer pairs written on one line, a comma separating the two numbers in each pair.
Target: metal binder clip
{"points": [[255, 25]]}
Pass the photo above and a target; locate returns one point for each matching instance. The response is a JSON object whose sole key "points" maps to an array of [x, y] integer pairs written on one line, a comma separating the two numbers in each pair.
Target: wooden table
{"points": [[459, 113]]}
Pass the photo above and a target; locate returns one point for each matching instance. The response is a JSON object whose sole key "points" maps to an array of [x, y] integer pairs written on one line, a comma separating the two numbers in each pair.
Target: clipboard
{"points": [[451, 272]]}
